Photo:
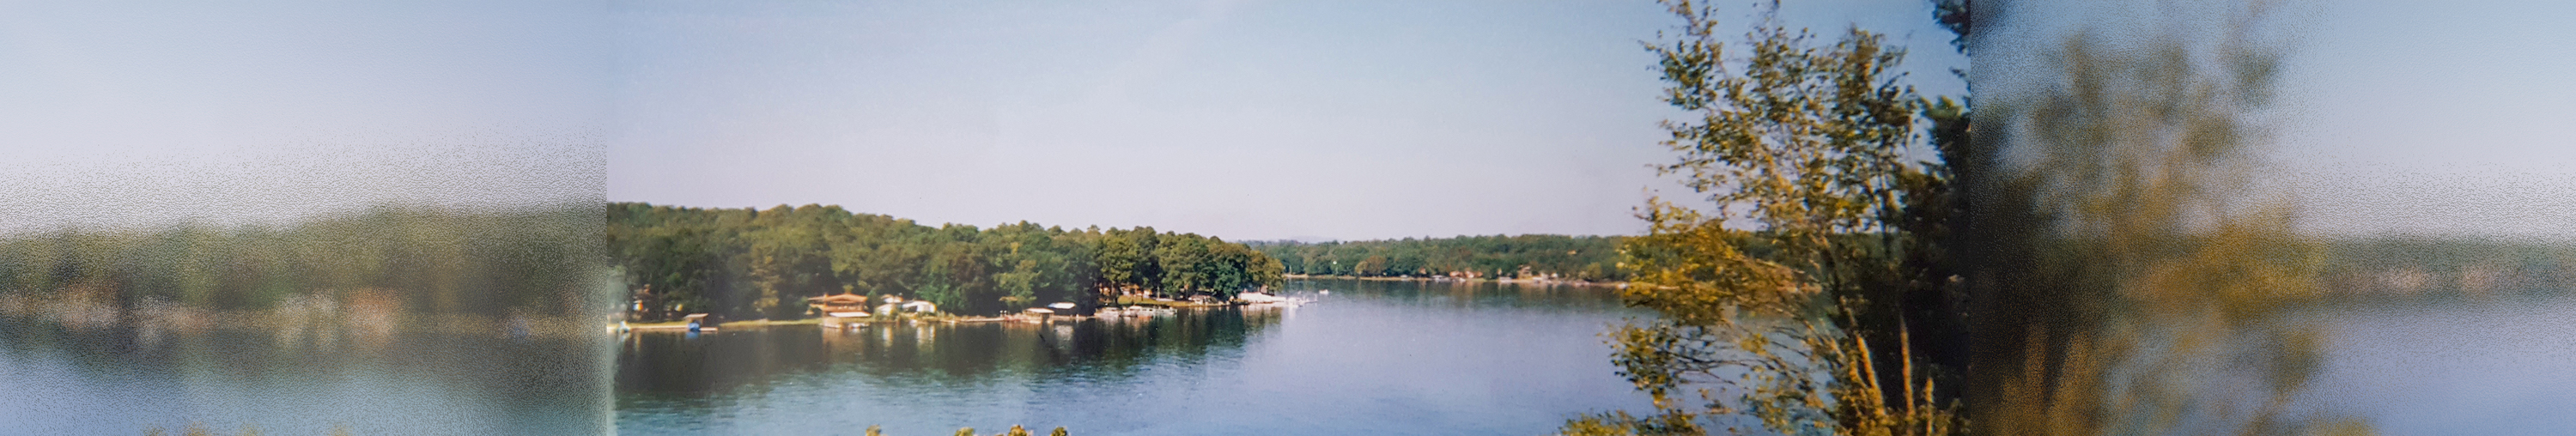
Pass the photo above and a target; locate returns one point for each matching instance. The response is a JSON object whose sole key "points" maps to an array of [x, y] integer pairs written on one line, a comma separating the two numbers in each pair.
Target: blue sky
{"points": [[145, 113], [1246, 120], [2393, 117], [2437, 118]]}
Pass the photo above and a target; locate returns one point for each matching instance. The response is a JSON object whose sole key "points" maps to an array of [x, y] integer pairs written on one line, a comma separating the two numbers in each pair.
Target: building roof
{"points": [[839, 300]]}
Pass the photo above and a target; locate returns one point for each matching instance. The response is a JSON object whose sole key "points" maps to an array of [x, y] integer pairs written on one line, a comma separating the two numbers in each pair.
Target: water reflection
{"points": [[131, 376], [944, 355], [396, 319], [1369, 357], [1552, 298]]}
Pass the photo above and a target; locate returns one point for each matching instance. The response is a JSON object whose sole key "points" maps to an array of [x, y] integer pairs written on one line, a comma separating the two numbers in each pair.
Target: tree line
{"points": [[2403, 270], [427, 260], [763, 263], [1588, 258]]}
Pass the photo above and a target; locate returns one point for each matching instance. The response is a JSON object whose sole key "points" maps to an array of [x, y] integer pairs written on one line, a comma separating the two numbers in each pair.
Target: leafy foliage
{"points": [[2131, 284], [763, 263], [1779, 325], [1591, 258], [429, 260]]}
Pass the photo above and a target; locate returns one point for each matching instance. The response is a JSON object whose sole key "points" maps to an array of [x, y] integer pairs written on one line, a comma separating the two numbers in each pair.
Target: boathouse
{"points": [[843, 305]]}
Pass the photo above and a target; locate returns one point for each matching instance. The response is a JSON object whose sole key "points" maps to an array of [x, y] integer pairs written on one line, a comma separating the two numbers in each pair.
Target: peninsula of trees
{"points": [[1584, 258], [748, 263]]}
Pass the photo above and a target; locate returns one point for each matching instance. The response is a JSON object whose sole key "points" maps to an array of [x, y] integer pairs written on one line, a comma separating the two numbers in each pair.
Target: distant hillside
{"points": [[2379, 268], [539, 261], [2427, 268], [1591, 258]]}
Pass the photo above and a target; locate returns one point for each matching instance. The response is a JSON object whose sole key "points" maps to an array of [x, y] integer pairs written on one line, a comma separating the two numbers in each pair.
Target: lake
{"points": [[128, 377], [2492, 367], [1369, 357]]}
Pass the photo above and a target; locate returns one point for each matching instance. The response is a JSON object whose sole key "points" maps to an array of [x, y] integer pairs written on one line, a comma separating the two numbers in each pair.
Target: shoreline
{"points": [[1548, 282], [331, 320], [1131, 302]]}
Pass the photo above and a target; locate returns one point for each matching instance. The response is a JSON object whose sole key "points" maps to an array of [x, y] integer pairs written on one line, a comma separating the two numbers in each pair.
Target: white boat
{"points": [[842, 320], [1261, 299]]}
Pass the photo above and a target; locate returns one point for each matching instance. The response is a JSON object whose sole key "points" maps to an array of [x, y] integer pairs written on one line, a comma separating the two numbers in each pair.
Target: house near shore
{"points": [[842, 306], [895, 304], [839, 311]]}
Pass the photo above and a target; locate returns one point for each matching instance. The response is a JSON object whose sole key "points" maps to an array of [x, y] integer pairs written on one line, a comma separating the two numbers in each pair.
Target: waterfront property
{"points": [[839, 311], [843, 305], [1374, 358]]}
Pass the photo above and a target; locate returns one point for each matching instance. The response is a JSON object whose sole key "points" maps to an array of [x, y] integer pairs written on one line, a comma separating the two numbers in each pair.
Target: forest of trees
{"points": [[426, 260], [1588, 258], [748, 263], [2405, 270]]}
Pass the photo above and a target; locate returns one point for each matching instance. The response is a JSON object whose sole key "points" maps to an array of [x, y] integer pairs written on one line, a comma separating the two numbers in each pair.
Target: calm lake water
{"points": [[111, 380], [2500, 367], [1370, 357]]}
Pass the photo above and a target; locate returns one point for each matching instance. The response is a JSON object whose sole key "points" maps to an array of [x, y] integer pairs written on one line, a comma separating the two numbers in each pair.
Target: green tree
{"points": [[1370, 267], [1185, 263], [1039, 264], [1573, 257], [875, 255], [763, 262], [2130, 283], [1808, 144], [1127, 259]]}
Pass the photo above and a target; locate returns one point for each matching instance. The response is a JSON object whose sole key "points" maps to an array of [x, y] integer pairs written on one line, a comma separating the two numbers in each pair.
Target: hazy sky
{"points": [[141, 113], [1245, 120], [2395, 117], [2438, 118]]}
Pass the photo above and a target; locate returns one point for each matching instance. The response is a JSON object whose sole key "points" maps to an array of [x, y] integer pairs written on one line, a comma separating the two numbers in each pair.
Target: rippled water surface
{"points": [[1369, 357]]}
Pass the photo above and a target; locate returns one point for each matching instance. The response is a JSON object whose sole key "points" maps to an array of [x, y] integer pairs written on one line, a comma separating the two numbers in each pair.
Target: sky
{"points": [[1243, 120], [2437, 118], [1239, 119], [2393, 118], [133, 114]]}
